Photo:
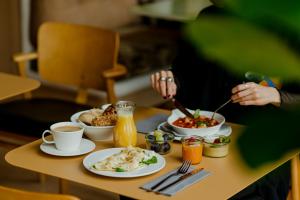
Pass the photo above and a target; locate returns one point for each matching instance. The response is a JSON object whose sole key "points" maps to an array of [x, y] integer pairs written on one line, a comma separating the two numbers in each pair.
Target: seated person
{"points": [[200, 83]]}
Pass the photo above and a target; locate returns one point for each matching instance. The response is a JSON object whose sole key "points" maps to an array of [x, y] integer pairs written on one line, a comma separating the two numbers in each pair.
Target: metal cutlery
{"points": [[181, 178], [182, 108], [182, 170], [221, 106]]}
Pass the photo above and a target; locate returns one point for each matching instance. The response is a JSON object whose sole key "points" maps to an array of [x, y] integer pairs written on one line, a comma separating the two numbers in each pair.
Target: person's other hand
{"points": [[253, 94], [163, 83]]}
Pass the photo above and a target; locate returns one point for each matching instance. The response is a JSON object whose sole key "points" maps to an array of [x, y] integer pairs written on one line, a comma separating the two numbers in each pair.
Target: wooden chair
{"points": [[16, 194], [75, 55]]}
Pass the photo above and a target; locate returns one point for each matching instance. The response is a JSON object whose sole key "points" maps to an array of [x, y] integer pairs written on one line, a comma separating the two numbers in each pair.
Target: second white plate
{"points": [[97, 156]]}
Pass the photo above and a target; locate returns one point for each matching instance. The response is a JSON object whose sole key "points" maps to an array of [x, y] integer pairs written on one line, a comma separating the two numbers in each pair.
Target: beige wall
{"points": [[10, 33]]}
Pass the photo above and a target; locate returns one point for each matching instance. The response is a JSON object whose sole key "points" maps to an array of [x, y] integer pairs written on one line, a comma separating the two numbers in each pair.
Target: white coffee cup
{"points": [[66, 136]]}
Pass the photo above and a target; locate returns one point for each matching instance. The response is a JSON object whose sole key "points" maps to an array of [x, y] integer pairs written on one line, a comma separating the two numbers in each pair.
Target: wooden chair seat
{"points": [[16, 194]]}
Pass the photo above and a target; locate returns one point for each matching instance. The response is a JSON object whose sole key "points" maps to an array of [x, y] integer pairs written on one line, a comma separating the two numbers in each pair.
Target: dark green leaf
{"points": [[269, 136], [242, 47], [286, 12]]}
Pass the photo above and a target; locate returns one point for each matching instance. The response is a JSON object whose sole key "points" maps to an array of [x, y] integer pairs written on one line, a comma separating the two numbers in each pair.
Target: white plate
{"points": [[86, 146], [224, 130], [97, 156]]}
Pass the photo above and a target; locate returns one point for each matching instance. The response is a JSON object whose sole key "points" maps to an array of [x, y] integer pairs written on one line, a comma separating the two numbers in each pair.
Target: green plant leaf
{"points": [[242, 47], [269, 136], [286, 12]]}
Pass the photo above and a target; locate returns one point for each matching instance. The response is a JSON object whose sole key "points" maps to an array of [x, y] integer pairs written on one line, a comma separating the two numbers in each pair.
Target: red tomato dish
{"points": [[199, 122]]}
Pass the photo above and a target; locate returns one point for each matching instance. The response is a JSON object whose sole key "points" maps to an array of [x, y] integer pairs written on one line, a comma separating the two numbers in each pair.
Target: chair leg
{"points": [[295, 166], [63, 186]]}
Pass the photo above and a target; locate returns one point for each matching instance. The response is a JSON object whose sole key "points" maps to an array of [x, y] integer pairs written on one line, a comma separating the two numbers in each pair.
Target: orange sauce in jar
{"points": [[192, 147]]}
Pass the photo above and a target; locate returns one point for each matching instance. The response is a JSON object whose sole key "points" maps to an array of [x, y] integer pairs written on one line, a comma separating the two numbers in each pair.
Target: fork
{"points": [[221, 106], [182, 170]]}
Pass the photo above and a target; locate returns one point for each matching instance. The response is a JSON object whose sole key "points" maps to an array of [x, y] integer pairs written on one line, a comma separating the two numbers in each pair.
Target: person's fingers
{"points": [[152, 78], [170, 85], [256, 102], [242, 87], [173, 89], [157, 85], [242, 94], [163, 83]]}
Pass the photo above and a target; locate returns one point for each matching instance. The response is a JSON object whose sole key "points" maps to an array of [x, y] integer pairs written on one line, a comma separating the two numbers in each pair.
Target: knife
{"points": [[181, 178], [182, 108]]}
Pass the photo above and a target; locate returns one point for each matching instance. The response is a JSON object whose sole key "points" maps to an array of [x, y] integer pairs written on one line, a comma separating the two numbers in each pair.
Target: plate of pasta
{"points": [[124, 162]]}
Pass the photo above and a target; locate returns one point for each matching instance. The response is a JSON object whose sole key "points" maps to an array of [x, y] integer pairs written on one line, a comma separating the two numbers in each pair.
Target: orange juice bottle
{"points": [[192, 147], [125, 133]]}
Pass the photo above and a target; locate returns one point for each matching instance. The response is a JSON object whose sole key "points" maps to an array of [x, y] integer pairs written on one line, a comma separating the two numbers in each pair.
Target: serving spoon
{"points": [[221, 106]]}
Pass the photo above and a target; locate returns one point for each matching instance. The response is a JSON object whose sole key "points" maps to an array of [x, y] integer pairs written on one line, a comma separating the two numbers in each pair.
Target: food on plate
{"points": [[128, 159], [217, 147], [159, 141], [192, 147], [98, 117], [199, 121]]}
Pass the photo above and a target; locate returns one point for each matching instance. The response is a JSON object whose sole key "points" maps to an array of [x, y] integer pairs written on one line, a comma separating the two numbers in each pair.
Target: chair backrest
{"points": [[76, 55], [12, 194]]}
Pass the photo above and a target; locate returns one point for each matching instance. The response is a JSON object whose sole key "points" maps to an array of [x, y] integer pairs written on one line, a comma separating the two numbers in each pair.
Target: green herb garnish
{"points": [[199, 123], [197, 113], [150, 161], [118, 169]]}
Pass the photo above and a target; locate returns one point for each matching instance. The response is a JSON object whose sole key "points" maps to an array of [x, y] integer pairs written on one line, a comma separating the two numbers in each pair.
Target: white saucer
{"points": [[224, 130], [86, 146]]}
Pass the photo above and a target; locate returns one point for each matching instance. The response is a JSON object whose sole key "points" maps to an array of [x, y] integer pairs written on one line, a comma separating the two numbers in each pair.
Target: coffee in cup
{"points": [[66, 136]]}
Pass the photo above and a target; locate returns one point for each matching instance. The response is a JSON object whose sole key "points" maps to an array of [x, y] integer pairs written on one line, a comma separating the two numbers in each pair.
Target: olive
{"points": [[166, 137], [166, 147], [151, 138]]}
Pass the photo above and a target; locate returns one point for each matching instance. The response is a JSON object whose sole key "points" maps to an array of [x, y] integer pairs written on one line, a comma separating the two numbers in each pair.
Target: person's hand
{"points": [[253, 94], [163, 83]]}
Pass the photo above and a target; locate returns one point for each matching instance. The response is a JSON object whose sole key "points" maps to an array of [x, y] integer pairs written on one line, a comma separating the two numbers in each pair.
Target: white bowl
{"points": [[95, 133], [196, 131]]}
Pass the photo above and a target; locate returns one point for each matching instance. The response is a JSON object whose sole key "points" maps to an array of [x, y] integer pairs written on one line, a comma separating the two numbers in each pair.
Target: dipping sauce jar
{"points": [[192, 147]]}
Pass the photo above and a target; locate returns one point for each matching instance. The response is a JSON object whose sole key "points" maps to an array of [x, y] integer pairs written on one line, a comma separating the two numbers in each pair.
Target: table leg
{"points": [[295, 166], [63, 186]]}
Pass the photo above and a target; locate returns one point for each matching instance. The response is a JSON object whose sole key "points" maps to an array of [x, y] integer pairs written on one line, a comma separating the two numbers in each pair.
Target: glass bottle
{"points": [[192, 147], [125, 133]]}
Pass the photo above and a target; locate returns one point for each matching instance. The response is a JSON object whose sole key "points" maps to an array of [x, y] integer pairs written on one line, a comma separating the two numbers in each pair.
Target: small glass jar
{"points": [[192, 148], [217, 147], [159, 141], [125, 133]]}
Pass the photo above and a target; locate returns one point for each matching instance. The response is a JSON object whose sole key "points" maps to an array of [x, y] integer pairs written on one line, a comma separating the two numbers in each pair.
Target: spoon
{"points": [[221, 106]]}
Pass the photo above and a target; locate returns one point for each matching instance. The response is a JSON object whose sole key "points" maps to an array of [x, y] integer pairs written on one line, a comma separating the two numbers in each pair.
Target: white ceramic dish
{"points": [[86, 146], [95, 133], [97, 156], [224, 130], [196, 131]]}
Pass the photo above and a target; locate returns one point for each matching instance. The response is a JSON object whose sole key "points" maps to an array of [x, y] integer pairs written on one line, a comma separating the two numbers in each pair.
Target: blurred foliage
{"points": [[242, 47], [253, 36]]}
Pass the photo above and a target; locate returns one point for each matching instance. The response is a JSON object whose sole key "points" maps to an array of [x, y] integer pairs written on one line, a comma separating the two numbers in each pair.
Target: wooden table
{"points": [[173, 10], [12, 85], [228, 175]]}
